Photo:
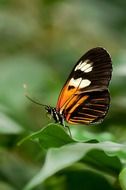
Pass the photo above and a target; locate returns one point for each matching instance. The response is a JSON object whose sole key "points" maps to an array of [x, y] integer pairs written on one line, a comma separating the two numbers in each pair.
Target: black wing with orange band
{"points": [[85, 98]]}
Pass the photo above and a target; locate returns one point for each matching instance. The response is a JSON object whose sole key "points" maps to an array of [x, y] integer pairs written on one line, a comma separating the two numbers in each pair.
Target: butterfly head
{"points": [[49, 110]]}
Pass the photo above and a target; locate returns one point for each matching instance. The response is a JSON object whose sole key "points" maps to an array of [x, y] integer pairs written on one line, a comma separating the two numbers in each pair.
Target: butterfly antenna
{"points": [[38, 103], [26, 95]]}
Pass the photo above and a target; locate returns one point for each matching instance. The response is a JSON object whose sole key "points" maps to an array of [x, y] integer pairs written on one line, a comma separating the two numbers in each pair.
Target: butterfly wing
{"points": [[85, 97], [88, 108]]}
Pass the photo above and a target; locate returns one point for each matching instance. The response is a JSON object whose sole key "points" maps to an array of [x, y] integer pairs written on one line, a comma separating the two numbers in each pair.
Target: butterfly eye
{"points": [[48, 110]]}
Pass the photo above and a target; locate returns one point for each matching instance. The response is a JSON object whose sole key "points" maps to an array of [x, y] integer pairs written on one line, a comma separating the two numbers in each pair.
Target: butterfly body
{"points": [[84, 98], [59, 118]]}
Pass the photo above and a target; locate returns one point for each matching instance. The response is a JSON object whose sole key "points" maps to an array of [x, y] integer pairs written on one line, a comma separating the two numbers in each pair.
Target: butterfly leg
{"points": [[63, 123], [69, 130]]}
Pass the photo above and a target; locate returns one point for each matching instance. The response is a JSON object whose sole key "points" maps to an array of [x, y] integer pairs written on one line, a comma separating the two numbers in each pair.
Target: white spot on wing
{"points": [[79, 82], [85, 83], [78, 66], [85, 66], [88, 70], [75, 82]]}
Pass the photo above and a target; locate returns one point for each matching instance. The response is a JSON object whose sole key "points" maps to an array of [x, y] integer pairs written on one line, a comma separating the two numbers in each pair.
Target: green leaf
{"points": [[101, 161], [8, 125], [5, 186], [14, 170], [77, 180], [60, 158], [50, 136], [54, 136], [122, 179]]}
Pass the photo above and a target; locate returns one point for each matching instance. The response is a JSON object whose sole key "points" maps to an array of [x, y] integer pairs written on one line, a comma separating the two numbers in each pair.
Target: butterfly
{"points": [[84, 98]]}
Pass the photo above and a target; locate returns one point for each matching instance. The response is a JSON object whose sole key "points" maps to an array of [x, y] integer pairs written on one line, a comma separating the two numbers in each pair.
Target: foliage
{"points": [[63, 151]]}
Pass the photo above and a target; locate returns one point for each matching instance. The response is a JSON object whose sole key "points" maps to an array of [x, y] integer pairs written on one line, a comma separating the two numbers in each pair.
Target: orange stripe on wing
{"points": [[85, 118], [86, 114], [65, 96], [77, 121], [75, 105], [99, 105], [99, 111]]}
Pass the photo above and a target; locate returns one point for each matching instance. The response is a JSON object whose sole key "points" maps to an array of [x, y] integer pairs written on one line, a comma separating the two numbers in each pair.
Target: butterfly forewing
{"points": [[84, 97]]}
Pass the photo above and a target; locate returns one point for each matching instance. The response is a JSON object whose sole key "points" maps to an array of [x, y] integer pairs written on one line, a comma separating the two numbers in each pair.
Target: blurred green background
{"points": [[40, 41]]}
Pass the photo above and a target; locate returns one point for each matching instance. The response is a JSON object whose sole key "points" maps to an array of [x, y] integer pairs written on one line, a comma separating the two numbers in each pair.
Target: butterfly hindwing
{"points": [[89, 77], [88, 108]]}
